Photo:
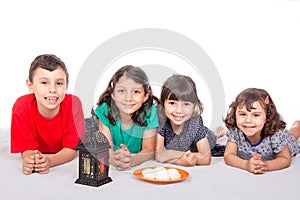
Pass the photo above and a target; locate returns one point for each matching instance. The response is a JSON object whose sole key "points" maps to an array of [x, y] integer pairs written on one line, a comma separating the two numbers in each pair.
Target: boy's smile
{"points": [[49, 89]]}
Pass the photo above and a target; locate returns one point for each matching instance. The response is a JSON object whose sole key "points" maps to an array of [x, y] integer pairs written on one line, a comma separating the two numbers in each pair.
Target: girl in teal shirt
{"points": [[128, 117]]}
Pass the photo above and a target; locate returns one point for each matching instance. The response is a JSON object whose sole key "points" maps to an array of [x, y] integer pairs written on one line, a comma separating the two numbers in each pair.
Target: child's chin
{"points": [[178, 122]]}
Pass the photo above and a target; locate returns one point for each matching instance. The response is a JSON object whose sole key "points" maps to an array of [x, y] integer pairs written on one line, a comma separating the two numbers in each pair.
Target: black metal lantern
{"points": [[93, 150]]}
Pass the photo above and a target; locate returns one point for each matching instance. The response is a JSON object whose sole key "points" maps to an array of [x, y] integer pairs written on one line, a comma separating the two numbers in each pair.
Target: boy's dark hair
{"points": [[180, 87], [247, 98], [49, 62], [137, 75]]}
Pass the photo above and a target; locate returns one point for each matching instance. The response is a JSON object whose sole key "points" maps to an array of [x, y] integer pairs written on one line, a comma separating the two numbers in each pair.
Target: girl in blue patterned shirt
{"points": [[182, 138], [257, 139]]}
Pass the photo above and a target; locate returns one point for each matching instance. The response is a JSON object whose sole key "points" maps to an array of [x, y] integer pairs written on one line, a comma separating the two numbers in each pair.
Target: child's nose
{"points": [[52, 89], [179, 108], [248, 118], [129, 96]]}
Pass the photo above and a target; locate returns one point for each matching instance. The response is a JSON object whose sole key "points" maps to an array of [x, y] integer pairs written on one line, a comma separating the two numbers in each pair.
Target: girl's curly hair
{"points": [[247, 98]]}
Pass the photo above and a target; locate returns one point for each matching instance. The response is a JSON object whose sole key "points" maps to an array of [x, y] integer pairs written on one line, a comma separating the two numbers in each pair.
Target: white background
{"points": [[252, 43]]}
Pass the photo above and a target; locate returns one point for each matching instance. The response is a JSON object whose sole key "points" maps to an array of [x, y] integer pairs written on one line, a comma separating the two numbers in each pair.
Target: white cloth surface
{"points": [[217, 181]]}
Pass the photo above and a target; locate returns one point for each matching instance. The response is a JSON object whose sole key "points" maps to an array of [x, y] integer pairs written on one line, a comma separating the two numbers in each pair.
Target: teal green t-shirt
{"points": [[131, 137]]}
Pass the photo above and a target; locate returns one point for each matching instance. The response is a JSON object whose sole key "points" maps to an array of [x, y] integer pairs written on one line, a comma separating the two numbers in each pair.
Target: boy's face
{"points": [[49, 89]]}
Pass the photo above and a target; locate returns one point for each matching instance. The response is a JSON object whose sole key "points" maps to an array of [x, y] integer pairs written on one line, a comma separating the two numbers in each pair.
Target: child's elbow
{"points": [[227, 157], [288, 162], [160, 157], [205, 162], [208, 161]]}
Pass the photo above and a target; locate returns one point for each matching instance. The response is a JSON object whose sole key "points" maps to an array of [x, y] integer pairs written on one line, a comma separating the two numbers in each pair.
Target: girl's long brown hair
{"points": [[137, 75]]}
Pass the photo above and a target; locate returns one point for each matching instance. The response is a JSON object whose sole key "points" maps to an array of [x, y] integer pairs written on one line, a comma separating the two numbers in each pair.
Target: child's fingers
{"points": [[42, 166], [123, 166], [28, 166], [259, 169], [257, 156], [37, 152], [188, 153], [37, 156], [27, 170], [124, 147], [29, 159]]}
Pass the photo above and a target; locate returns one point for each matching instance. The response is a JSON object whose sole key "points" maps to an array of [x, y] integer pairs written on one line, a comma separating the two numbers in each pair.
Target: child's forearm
{"points": [[278, 163], [141, 157], [164, 155], [235, 161], [63, 156], [177, 161], [283, 160]]}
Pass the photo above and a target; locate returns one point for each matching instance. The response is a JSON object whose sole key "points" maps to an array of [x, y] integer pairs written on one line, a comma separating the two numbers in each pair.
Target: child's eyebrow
{"points": [[257, 112], [120, 86], [47, 78], [42, 77]]}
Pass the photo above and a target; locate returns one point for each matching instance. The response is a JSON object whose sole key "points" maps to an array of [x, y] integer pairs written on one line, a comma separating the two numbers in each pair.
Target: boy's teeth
{"points": [[51, 98]]}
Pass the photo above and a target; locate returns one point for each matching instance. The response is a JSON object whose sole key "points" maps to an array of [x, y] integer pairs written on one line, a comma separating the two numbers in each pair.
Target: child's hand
{"points": [[28, 163], [123, 146], [188, 159], [257, 165], [42, 162], [122, 158]]}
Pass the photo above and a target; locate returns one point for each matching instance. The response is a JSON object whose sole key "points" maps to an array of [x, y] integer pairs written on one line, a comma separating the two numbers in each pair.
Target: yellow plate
{"points": [[138, 173]]}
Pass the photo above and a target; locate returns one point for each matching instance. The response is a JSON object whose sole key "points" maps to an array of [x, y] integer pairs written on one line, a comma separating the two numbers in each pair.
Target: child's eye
{"points": [[120, 91], [137, 92], [256, 115], [60, 83], [187, 104], [172, 103], [43, 82]]}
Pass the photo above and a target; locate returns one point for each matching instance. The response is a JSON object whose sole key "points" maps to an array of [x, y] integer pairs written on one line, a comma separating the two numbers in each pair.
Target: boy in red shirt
{"points": [[46, 124]]}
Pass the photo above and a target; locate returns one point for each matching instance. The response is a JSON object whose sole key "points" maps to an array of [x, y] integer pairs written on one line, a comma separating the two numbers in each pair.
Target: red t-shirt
{"points": [[30, 130]]}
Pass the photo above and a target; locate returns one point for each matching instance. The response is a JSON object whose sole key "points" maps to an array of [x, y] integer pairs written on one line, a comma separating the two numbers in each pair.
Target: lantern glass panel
{"points": [[86, 165], [101, 165]]}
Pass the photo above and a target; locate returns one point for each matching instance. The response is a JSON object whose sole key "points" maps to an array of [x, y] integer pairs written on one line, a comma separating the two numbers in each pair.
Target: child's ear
{"points": [[196, 111], [29, 85], [112, 96]]}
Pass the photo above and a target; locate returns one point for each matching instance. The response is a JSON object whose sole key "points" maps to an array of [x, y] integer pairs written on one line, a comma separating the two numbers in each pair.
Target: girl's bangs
{"points": [[183, 95]]}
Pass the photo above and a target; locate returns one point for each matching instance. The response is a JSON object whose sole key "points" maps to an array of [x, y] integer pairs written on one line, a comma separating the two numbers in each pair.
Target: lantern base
{"points": [[93, 182]]}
